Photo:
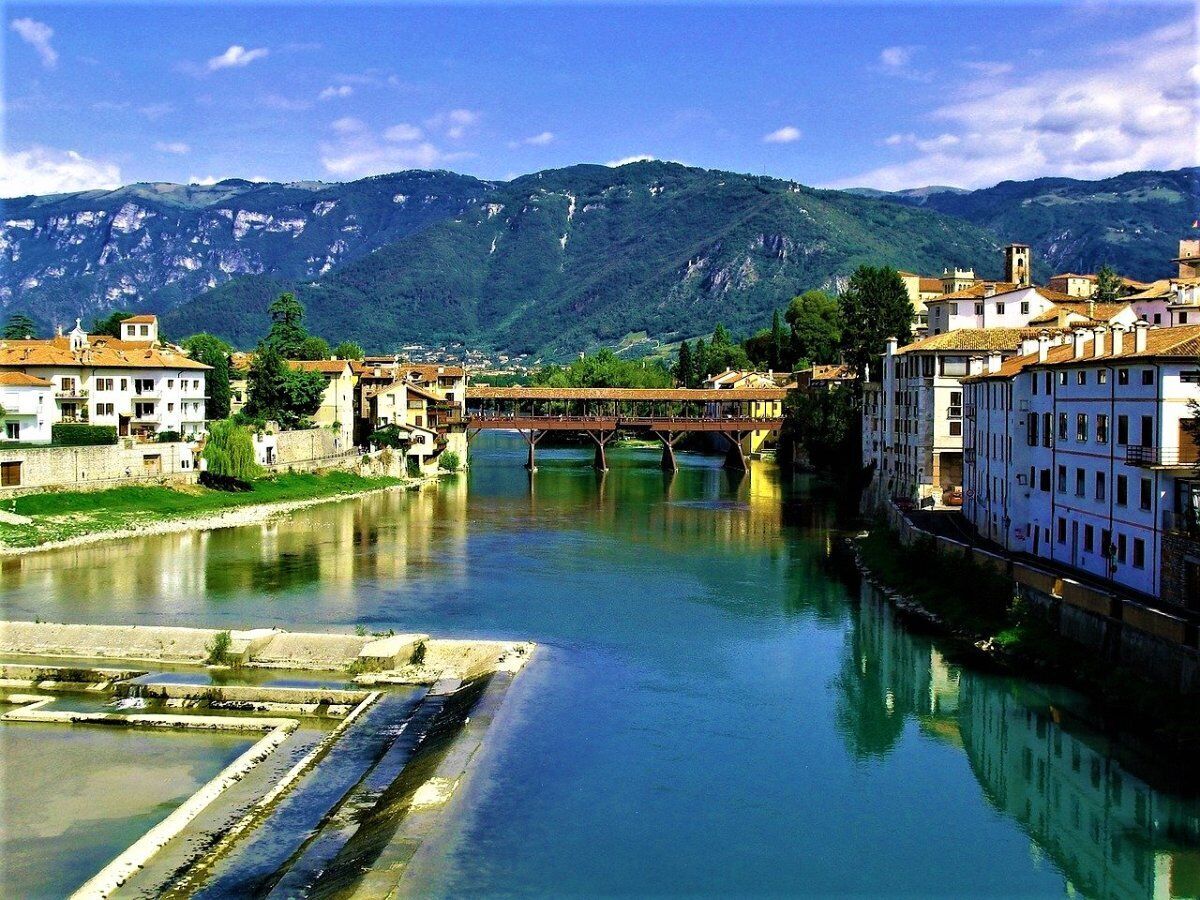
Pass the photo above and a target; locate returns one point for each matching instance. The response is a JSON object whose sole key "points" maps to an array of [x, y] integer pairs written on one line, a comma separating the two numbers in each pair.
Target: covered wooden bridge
{"points": [[665, 413]]}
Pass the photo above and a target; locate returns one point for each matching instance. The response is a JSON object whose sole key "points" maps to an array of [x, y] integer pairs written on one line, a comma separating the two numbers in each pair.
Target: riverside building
{"points": [[1083, 454]]}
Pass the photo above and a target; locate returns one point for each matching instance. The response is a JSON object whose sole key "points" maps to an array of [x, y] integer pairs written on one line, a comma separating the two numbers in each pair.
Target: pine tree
{"points": [[777, 350], [18, 327], [1108, 285], [287, 333], [699, 364], [684, 369], [875, 307]]}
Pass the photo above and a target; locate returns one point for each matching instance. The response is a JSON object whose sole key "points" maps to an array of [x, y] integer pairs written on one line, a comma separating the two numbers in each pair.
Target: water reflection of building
{"points": [[1109, 832]]}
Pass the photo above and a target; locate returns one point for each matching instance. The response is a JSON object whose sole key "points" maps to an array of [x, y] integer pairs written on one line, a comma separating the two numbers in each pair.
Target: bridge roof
{"points": [[731, 395]]}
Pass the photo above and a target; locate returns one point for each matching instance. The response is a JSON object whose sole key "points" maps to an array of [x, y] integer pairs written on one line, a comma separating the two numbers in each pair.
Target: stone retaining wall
{"points": [[96, 468]]}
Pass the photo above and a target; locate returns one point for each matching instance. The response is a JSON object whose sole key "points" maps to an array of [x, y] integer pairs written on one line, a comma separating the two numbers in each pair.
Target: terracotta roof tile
{"points": [[973, 339], [109, 354], [22, 379]]}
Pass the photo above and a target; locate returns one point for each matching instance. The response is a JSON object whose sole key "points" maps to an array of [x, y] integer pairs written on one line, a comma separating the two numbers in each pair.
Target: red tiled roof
{"points": [[22, 379]]}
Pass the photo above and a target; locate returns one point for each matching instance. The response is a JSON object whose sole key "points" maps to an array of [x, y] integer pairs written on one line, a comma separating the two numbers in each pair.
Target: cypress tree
{"points": [[684, 369]]}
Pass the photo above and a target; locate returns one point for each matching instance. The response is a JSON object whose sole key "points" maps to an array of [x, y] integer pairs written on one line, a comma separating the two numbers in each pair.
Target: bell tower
{"points": [[1016, 264]]}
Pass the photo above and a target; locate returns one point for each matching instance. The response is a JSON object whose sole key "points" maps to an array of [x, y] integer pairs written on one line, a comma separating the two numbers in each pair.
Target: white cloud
{"points": [[357, 151], [403, 132], [785, 135], [43, 170], [896, 57], [454, 123], [1125, 110], [626, 160], [236, 57], [331, 92], [37, 35], [155, 111], [539, 139], [179, 148], [282, 103], [209, 180]]}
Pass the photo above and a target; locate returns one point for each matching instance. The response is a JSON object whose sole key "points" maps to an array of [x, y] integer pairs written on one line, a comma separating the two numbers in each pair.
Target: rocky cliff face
{"points": [[152, 246]]}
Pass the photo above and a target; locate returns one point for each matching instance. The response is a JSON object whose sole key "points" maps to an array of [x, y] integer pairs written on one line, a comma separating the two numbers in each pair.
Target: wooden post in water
{"points": [[532, 438], [735, 459], [601, 438], [669, 440]]}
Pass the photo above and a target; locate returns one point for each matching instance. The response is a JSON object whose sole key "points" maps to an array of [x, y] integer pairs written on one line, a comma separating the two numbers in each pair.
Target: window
{"points": [[124, 384], [1062, 530], [1102, 376], [1158, 318], [143, 410], [104, 384], [1122, 548], [1183, 317], [1062, 377], [955, 428], [1047, 384], [1081, 427], [1139, 553], [1192, 376], [1089, 536], [1146, 495], [170, 407], [1147, 376], [1047, 431], [1044, 480], [1062, 479], [1081, 376], [145, 330], [1122, 430], [1033, 385], [1147, 431], [12, 431], [1122, 491], [1102, 428], [1122, 376], [1062, 426], [170, 384], [999, 309], [1032, 429], [979, 309], [1080, 482], [143, 385], [1100, 486], [10, 474], [1024, 307], [1106, 544], [104, 409]]}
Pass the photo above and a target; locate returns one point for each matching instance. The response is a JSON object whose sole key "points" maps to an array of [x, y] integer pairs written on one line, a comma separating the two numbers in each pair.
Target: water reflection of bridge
{"points": [[667, 414]]}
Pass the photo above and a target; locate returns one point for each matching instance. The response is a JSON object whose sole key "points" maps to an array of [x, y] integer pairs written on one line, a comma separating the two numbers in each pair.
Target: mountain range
{"points": [[549, 263]]}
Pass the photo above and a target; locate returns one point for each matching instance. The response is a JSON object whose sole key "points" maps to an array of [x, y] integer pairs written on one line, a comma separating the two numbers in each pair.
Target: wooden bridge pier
{"points": [[601, 439], [669, 440], [735, 458], [532, 436]]}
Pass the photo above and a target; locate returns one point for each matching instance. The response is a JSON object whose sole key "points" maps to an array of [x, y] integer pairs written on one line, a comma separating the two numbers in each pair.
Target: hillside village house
{"points": [[336, 411], [1081, 454], [734, 379], [140, 386], [427, 400], [913, 412]]}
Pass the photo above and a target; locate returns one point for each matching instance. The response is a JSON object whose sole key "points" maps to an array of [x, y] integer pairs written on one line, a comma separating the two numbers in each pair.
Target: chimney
{"points": [[1118, 332], [1043, 350], [893, 343], [1028, 346], [1140, 327], [1077, 337], [993, 362], [1098, 340], [975, 365]]}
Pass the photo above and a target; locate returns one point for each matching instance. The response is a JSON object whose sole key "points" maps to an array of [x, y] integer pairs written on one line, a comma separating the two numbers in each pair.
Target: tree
{"points": [[1108, 285], [700, 363], [212, 351], [287, 333], [229, 451], [349, 350], [815, 319], [874, 307], [110, 324], [778, 353], [605, 369], [313, 347], [685, 372], [18, 327], [723, 353], [276, 391]]}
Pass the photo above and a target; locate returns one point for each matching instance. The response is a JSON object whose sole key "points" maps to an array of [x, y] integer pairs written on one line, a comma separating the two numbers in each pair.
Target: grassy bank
{"points": [[65, 515], [971, 602]]}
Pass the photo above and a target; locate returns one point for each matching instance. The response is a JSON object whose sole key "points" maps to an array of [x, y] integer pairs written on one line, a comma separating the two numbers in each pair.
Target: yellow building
{"points": [[734, 379], [336, 411]]}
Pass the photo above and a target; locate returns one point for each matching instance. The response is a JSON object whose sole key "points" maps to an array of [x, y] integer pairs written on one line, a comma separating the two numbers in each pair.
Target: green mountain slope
{"points": [[1131, 222], [562, 260]]}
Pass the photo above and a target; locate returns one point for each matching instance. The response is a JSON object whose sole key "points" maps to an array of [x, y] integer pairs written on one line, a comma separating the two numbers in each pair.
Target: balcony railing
{"points": [[71, 394], [1164, 457]]}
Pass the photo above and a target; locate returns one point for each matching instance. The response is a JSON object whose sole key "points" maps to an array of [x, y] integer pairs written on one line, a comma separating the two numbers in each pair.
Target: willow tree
{"points": [[229, 451]]}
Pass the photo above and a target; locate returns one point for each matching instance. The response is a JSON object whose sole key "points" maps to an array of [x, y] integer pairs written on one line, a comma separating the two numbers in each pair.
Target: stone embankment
{"points": [[373, 659]]}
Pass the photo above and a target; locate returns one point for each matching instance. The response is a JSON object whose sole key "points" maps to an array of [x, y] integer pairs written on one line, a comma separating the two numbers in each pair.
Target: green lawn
{"points": [[62, 515]]}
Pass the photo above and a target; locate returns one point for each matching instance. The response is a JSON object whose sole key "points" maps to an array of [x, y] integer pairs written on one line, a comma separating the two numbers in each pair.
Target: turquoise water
{"points": [[711, 711]]}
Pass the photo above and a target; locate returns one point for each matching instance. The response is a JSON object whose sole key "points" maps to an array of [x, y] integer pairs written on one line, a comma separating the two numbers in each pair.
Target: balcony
{"points": [[73, 393], [1161, 457], [1185, 523]]}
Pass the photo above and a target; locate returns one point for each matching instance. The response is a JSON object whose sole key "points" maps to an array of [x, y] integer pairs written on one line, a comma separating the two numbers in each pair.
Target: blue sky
{"points": [[891, 96]]}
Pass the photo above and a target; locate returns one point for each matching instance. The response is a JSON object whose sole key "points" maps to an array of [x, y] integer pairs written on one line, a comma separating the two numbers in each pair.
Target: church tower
{"points": [[1016, 265]]}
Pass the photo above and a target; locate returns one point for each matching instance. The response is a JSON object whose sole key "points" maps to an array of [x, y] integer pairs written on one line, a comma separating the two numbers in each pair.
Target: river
{"points": [[712, 709]]}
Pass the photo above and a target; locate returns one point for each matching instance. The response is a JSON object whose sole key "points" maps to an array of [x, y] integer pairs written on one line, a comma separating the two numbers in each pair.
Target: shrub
{"points": [[168, 437], [449, 461], [390, 436], [229, 451], [74, 434], [414, 467], [218, 649], [225, 483]]}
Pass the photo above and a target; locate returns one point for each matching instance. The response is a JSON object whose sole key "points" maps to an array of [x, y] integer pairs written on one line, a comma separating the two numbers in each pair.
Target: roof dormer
{"points": [[78, 337]]}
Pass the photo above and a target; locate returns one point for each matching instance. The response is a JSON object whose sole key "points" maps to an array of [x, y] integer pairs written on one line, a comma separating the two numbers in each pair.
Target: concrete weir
{"points": [[401, 704]]}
